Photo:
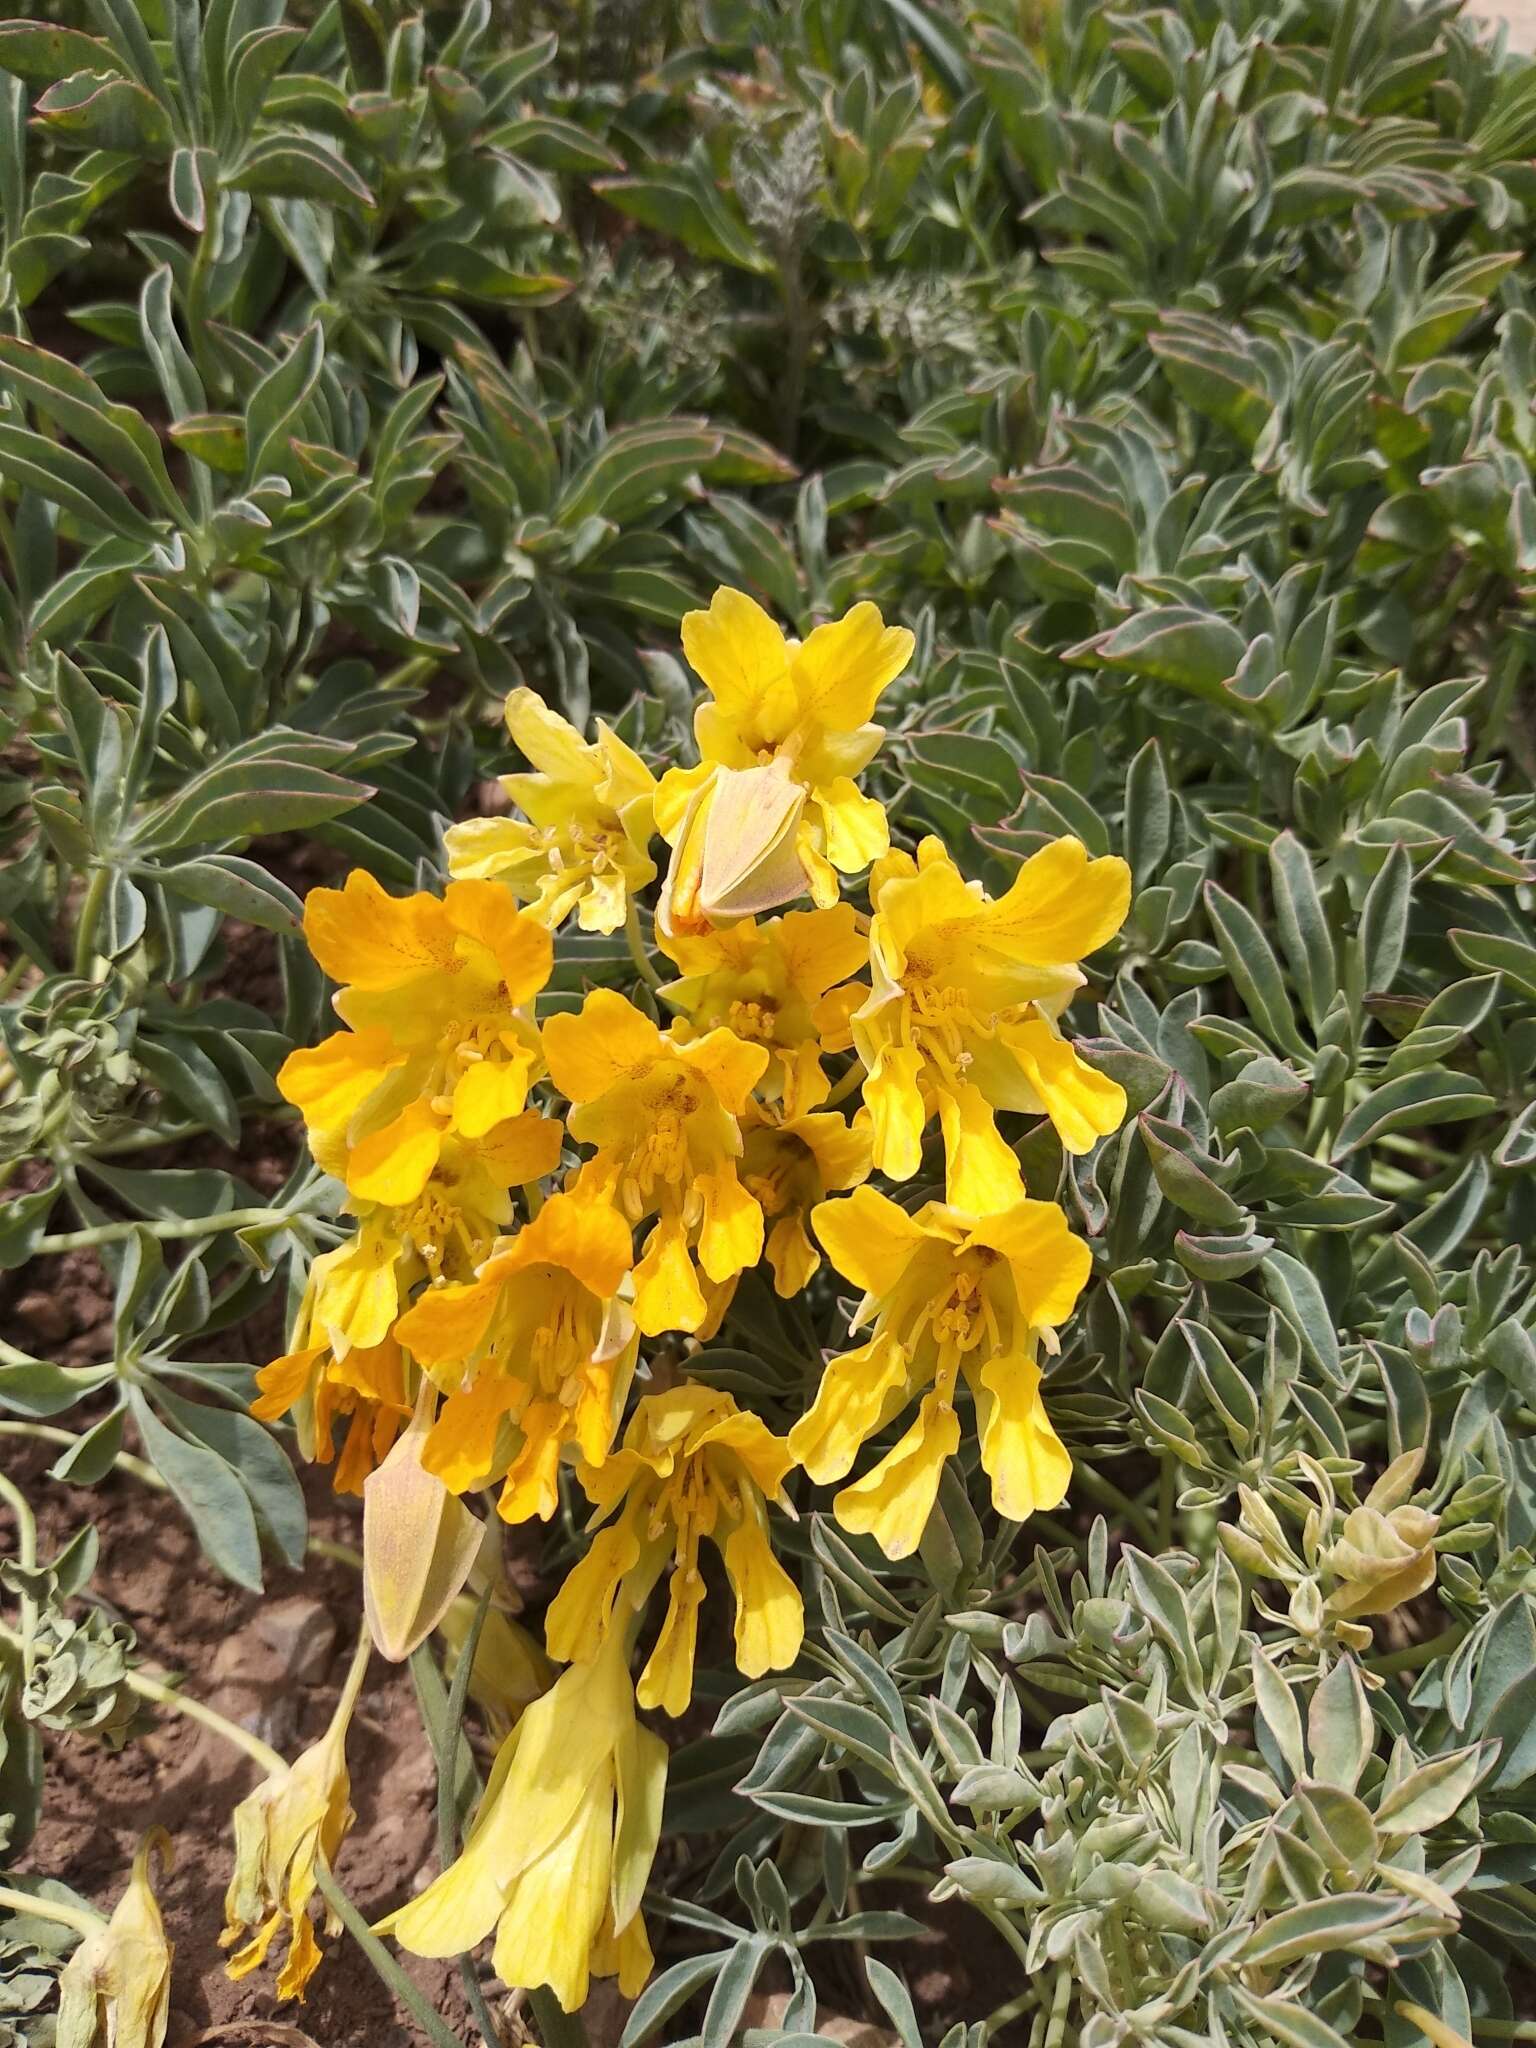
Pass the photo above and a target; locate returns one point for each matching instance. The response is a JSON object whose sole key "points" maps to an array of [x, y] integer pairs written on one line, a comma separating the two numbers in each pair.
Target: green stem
{"points": [[90, 916], [1416, 1655], [48, 1433], [1107, 1494], [80, 1918], [231, 1732], [636, 944], [26, 1557], [165, 1228], [399, 1983], [352, 1684]]}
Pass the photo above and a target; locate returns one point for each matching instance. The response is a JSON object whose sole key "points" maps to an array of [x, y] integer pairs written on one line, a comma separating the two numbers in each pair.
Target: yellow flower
{"points": [[951, 1295], [581, 842], [370, 1389], [663, 1116], [345, 1361], [294, 1822], [788, 1167], [561, 1847], [115, 1990], [510, 1669], [772, 808], [963, 1013], [692, 1466], [785, 985], [435, 994], [535, 1353]]}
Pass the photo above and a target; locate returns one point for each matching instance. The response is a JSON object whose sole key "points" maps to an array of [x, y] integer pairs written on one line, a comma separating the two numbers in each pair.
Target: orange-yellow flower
{"points": [[786, 984], [693, 1467], [951, 1296], [535, 1354], [345, 1361], [664, 1118], [772, 809], [581, 844], [371, 1389], [439, 1040], [962, 1017]]}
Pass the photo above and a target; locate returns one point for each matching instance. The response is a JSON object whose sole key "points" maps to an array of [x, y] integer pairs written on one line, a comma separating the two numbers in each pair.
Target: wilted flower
{"points": [[581, 842], [420, 1542], [663, 1115], [293, 1823], [951, 1296], [962, 1018], [693, 1467], [115, 1990], [772, 809], [559, 1852], [438, 1042], [536, 1354], [1384, 1553]]}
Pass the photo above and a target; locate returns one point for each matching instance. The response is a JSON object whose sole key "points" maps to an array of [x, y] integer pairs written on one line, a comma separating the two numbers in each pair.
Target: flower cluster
{"points": [[536, 1190]]}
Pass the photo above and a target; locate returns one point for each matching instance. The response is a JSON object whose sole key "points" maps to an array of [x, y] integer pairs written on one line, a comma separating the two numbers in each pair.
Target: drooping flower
{"points": [[951, 1296], [786, 984], [664, 1116], [420, 1542], [693, 1467], [581, 843], [438, 1042], [562, 1844], [370, 1389], [535, 1355], [293, 1823], [962, 1017], [345, 1361], [115, 1990], [772, 809]]}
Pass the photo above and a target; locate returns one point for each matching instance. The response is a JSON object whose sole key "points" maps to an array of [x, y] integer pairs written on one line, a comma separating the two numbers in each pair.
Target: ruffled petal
{"points": [[859, 1391], [608, 1040], [893, 1502], [1083, 1104], [981, 1171]]}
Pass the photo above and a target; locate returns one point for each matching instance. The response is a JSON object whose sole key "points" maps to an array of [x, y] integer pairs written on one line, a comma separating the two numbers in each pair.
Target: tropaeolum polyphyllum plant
{"points": [[553, 1206]]}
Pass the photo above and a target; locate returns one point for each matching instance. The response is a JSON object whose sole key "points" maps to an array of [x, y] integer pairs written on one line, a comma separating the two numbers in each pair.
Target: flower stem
{"points": [[352, 1684], [26, 1557], [164, 1228], [90, 916], [208, 1717], [80, 1918], [845, 1085], [49, 1433], [636, 944]]}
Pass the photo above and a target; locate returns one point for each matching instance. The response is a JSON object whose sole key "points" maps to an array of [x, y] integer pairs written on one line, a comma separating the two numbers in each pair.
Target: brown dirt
{"points": [[191, 1622]]}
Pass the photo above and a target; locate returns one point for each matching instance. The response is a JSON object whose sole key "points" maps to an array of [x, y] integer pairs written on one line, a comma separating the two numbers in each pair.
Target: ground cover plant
{"points": [[769, 1010]]}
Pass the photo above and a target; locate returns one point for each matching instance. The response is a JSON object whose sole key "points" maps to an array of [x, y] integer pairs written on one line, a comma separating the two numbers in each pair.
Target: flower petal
{"points": [[1060, 906], [893, 1502], [606, 1041], [1020, 1451], [869, 1238], [840, 669]]}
